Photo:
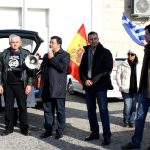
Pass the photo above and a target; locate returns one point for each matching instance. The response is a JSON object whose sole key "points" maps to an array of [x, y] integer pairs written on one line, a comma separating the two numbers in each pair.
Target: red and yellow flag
{"points": [[76, 51]]}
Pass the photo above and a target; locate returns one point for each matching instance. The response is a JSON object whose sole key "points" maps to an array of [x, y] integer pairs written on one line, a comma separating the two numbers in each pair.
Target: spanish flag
{"points": [[76, 51]]}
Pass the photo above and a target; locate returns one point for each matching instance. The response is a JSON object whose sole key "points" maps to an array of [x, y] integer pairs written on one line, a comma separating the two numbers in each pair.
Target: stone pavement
{"points": [[77, 128]]}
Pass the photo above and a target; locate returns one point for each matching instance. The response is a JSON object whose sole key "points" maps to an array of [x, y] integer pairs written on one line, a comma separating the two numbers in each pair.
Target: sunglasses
{"points": [[131, 54]]}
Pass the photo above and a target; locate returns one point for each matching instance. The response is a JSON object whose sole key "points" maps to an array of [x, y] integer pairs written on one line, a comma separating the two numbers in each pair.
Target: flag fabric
{"points": [[136, 32], [76, 51]]}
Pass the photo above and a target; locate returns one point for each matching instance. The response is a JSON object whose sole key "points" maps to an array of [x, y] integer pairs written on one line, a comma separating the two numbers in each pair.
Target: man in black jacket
{"points": [[53, 86], [15, 82], [144, 97], [95, 68]]}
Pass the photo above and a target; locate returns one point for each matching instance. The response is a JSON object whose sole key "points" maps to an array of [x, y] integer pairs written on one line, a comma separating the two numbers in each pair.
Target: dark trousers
{"points": [[49, 105], [142, 111], [12, 91], [101, 97], [16, 116]]}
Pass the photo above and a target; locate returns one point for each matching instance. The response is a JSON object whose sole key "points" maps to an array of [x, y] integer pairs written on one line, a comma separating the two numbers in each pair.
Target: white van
{"points": [[73, 85]]}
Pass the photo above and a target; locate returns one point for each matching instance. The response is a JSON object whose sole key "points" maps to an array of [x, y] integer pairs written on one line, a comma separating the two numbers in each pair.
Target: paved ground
{"points": [[77, 128]]}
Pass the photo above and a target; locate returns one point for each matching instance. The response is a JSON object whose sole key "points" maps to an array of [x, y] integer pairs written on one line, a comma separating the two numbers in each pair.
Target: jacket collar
{"points": [[98, 46]]}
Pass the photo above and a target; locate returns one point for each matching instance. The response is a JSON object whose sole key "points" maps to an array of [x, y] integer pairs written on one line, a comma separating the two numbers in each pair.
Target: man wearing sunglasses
{"points": [[144, 97]]}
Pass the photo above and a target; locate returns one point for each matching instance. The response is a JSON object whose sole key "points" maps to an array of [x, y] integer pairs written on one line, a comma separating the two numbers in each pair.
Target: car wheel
{"points": [[70, 88]]}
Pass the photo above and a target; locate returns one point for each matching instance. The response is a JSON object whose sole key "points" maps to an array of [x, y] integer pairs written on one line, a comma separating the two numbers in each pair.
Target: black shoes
{"points": [[25, 133], [91, 137], [125, 124], [130, 146], [46, 134], [16, 124], [58, 135], [6, 132], [131, 125], [106, 141], [148, 148]]}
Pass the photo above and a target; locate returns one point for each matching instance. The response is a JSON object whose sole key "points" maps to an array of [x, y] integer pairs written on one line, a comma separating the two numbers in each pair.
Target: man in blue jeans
{"points": [[144, 97], [94, 71]]}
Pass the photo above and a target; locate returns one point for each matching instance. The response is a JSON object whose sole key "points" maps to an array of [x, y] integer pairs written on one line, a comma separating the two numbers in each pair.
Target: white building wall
{"points": [[64, 17], [115, 36]]}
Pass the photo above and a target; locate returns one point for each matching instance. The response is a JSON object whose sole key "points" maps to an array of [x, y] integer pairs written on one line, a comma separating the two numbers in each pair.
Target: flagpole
{"points": [[91, 14]]}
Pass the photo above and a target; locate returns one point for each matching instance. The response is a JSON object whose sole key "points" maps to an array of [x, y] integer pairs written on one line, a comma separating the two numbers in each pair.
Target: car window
{"points": [[117, 62], [28, 44], [4, 43]]}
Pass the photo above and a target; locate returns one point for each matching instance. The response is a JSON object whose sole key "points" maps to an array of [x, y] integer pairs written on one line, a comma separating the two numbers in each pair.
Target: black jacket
{"points": [[26, 75], [101, 69], [144, 72], [56, 69]]}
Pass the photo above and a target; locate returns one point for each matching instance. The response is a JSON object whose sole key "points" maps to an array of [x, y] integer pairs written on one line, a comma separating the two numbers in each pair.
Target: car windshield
{"points": [[117, 62]]}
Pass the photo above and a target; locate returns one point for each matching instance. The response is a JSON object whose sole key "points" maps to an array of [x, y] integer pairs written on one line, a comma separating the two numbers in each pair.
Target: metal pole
{"points": [[24, 14], [91, 15]]}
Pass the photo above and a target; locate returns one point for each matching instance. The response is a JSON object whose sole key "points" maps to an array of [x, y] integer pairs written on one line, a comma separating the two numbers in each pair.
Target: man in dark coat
{"points": [[95, 68], [144, 97], [53, 86]]}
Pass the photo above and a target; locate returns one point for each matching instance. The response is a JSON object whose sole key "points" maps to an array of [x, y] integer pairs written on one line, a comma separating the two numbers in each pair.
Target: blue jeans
{"points": [[142, 110], [102, 101], [129, 110], [49, 115]]}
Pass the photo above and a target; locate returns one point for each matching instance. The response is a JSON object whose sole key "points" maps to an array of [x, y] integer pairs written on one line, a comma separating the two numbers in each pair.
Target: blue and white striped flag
{"points": [[136, 32]]}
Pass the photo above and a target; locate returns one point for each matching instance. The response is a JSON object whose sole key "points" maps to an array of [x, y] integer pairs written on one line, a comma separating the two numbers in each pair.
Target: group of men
{"points": [[16, 81], [96, 65]]}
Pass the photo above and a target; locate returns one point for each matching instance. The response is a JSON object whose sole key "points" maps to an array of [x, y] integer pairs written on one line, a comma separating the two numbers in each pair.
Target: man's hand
{"points": [[38, 67], [50, 54], [88, 83], [38, 56], [28, 89], [1, 89]]}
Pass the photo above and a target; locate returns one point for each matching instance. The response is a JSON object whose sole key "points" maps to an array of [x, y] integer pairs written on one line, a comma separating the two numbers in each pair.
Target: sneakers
{"points": [[130, 146], [6, 132], [46, 134], [91, 137]]}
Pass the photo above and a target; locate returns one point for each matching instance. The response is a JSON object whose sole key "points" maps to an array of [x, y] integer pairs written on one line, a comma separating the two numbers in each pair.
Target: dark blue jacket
{"points": [[101, 69], [56, 68]]}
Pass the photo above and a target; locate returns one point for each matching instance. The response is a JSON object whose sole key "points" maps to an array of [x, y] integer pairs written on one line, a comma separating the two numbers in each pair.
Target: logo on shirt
{"points": [[13, 62]]}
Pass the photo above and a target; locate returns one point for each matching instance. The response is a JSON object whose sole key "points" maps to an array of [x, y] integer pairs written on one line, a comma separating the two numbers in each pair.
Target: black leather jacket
{"points": [[26, 75]]}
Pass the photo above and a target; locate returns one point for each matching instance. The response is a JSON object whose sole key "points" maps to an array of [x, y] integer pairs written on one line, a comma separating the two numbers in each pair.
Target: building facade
{"points": [[63, 18]]}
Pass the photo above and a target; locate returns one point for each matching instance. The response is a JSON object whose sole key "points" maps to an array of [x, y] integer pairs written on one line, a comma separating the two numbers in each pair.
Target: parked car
{"points": [[73, 85], [30, 41]]}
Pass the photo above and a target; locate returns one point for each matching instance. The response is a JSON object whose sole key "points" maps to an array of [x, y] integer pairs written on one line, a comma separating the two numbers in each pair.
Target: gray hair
{"points": [[11, 36]]}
